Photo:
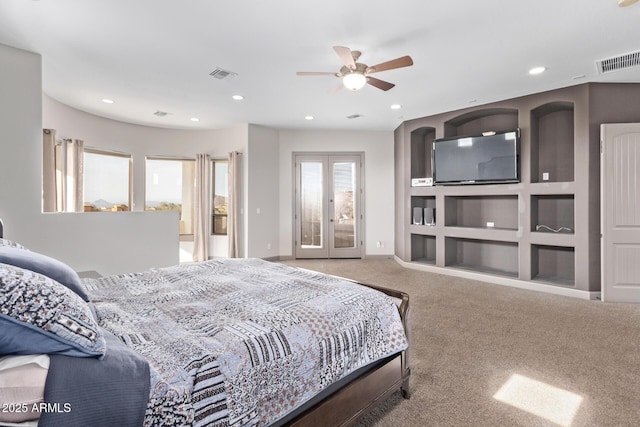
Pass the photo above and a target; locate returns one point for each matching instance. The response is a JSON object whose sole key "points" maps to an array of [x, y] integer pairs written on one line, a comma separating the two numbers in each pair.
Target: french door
{"points": [[328, 206]]}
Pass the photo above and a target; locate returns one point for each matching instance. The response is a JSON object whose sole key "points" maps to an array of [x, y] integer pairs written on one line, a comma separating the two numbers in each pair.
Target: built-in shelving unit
{"points": [[528, 232]]}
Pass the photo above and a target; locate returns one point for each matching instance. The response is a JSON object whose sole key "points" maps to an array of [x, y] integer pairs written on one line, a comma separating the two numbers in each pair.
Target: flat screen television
{"points": [[493, 157]]}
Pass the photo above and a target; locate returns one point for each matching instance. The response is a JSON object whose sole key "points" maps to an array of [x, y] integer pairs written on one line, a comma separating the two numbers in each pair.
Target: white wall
{"points": [[378, 182], [108, 244], [262, 202], [20, 118], [142, 141], [132, 241]]}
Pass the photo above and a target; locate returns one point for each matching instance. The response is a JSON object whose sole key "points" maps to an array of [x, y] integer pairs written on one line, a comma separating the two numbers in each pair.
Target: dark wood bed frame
{"points": [[373, 386]]}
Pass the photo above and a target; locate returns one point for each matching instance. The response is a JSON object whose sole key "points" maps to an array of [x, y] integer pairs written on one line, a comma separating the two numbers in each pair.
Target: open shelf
{"points": [[483, 120], [553, 213], [553, 264], [423, 249], [552, 142], [421, 140], [485, 256], [497, 234], [496, 211], [423, 210]]}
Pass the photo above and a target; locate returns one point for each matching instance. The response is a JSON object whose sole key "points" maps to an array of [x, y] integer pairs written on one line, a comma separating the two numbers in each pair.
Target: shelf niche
{"points": [[423, 249], [553, 212], [422, 202], [552, 142], [484, 256], [421, 143], [477, 211], [553, 264], [477, 122]]}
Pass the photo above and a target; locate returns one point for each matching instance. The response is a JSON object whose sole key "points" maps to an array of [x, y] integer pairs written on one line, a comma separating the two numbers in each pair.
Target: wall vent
{"points": [[618, 62], [354, 116], [221, 74], [160, 113]]}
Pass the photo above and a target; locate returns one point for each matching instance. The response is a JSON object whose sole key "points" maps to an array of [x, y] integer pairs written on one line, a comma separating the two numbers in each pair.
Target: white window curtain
{"points": [[74, 173], [63, 172], [49, 178], [202, 209], [232, 216]]}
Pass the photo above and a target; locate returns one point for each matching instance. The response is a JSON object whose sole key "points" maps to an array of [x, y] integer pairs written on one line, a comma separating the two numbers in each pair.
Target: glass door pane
{"points": [[311, 205], [344, 187]]}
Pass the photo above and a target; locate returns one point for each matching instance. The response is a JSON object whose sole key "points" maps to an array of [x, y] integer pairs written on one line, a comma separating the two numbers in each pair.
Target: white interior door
{"points": [[328, 206], [620, 212]]}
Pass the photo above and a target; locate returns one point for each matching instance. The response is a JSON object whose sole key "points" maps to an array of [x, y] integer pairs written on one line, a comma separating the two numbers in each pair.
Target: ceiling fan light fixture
{"points": [[354, 81]]}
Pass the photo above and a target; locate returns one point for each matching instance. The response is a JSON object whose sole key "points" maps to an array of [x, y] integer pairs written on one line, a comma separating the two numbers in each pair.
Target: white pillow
{"points": [[22, 380]]}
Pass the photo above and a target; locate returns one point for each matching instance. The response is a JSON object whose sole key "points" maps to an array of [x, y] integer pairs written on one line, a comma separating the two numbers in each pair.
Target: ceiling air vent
{"points": [[618, 62], [160, 113], [354, 116], [221, 74]]}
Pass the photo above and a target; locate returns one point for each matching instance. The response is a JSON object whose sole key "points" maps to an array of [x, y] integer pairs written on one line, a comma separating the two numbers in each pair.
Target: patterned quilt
{"points": [[238, 342]]}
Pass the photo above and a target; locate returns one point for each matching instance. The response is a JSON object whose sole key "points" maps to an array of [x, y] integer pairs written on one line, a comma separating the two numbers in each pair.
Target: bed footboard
{"points": [[359, 396]]}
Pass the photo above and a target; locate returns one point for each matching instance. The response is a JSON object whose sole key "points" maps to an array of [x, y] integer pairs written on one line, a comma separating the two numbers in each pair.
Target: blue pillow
{"points": [[40, 316], [39, 263]]}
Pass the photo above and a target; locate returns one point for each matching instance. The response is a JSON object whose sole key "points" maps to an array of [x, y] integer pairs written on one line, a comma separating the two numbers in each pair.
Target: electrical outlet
{"points": [[379, 244], [491, 224], [545, 176]]}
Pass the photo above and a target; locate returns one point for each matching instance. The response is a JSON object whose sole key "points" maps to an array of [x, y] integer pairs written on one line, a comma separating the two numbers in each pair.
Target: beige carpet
{"points": [[571, 362]]}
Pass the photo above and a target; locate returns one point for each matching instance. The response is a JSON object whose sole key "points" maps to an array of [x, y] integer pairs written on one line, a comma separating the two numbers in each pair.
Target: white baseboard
{"points": [[504, 281]]}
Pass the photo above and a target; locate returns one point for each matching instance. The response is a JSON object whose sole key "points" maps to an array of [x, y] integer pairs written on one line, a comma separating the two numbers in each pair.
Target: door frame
{"points": [[294, 205]]}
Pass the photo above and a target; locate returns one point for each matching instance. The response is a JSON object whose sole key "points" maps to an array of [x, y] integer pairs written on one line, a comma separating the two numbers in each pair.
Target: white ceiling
{"points": [[150, 55]]}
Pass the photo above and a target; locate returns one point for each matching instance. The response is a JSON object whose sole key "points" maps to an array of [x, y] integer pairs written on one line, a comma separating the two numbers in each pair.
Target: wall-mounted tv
{"points": [[493, 157]]}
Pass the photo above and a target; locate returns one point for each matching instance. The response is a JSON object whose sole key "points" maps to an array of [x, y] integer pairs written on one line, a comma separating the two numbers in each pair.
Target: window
{"points": [[219, 205], [107, 181], [170, 185]]}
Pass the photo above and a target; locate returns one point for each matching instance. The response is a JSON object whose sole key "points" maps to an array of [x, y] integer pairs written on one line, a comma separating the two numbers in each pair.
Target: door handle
{"points": [[331, 220]]}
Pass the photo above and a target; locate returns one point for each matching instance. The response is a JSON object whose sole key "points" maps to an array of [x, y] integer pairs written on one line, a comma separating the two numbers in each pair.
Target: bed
{"points": [[225, 342]]}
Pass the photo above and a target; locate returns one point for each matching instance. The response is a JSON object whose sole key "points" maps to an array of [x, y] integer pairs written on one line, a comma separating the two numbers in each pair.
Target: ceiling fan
{"points": [[355, 74]]}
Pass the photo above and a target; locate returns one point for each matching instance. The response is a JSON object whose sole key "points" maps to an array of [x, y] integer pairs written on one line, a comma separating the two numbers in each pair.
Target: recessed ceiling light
{"points": [[396, 106], [308, 117], [195, 119], [537, 70], [107, 101], [238, 97]]}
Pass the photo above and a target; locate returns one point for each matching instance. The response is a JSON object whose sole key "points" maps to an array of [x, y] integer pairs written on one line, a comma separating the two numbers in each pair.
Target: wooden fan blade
{"points": [[380, 84], [315, 73], [403, 61], [346, 56]]}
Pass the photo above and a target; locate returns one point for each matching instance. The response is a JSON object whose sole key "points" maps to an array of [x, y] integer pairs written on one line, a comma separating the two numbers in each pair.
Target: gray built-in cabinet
{"points": [[542, 233]]}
